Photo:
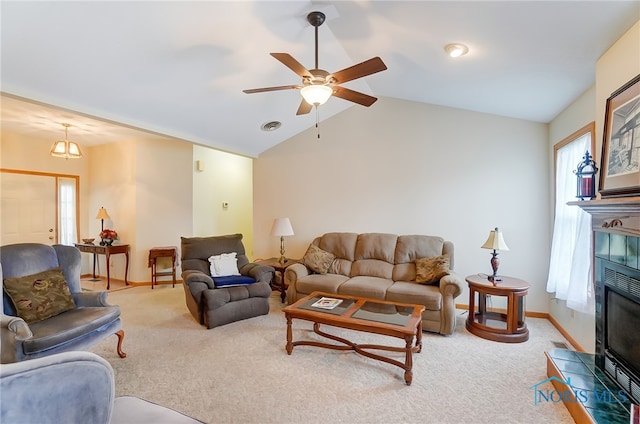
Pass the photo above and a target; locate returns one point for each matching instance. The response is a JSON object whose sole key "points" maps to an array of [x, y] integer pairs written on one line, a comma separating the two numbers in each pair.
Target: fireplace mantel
{"points": [[629, 206], [620, 215]]}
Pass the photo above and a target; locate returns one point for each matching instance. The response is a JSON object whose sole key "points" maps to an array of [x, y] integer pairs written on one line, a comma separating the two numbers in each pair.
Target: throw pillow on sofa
{"points": [[317, 259], [430, 270], [39, 296]]}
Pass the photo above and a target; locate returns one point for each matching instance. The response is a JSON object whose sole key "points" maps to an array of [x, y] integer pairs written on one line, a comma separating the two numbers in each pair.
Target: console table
{"points": [[107, 251]]}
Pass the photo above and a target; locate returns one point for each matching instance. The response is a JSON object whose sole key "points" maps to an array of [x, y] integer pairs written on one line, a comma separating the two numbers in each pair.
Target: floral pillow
{"points": [[317, 259], [224, 265], [39, 296], [430, 270]]}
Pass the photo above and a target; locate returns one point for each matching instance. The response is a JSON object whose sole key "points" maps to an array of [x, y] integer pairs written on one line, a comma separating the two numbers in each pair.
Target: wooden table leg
{"points": [[108, 271], [289, 335], [408, 363], [126, 268]]}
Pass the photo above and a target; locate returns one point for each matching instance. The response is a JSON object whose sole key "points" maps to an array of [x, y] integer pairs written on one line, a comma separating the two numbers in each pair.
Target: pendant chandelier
{"points": [[65, 148]]}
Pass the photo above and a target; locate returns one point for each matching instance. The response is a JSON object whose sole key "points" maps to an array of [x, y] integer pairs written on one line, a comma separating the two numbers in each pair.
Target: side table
{"points": [[497, 326], [107, 251], [281, 268], [162, 252]]}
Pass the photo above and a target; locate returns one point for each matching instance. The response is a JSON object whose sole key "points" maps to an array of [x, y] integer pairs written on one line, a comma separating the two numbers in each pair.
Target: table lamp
{"points": [[102, 215], [281, 228], [496, 243]]}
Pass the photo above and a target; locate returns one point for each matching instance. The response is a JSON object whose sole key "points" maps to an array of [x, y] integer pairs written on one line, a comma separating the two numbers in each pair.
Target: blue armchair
{"points": [[73, 387], [90, 321]]}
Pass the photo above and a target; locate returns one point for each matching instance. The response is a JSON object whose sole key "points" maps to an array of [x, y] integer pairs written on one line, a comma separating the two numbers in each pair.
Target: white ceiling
{"points": [[179, 68]]}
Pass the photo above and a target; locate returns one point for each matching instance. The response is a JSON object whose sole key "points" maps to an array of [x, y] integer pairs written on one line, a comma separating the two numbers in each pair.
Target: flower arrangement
{"points": [[109, 234]]}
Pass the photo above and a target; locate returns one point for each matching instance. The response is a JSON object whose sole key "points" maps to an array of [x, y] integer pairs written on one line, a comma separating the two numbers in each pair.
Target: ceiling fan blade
{"points": [[288, 61], [304, 108], [354, 96], [262, 90], [360, 70]]}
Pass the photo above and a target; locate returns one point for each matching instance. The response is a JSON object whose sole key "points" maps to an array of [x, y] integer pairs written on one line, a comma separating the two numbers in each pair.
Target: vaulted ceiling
{"points": [[178, 68]]}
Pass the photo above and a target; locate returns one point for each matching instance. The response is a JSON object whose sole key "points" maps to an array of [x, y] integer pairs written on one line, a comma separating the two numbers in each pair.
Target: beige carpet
{"points": [[240, 373]]}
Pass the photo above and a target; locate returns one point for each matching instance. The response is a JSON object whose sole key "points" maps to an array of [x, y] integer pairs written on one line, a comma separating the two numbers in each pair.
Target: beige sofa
{"points": [[382, 266]]}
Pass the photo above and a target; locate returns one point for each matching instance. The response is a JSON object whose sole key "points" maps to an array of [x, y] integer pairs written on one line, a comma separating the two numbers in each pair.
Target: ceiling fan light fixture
{"points": [[64, 148], [456, 49], [316, 95]]}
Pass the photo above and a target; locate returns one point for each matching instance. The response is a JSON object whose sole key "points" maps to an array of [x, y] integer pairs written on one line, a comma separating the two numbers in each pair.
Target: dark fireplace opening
{"points": [[618, 324], [623, 330]]}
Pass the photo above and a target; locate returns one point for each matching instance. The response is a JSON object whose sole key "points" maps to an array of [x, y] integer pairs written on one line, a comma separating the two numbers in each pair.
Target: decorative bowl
{"points": [[88, 240]]}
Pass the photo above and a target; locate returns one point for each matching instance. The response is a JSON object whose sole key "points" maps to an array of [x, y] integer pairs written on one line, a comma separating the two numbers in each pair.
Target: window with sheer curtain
{"points": [[570, 272], [67, 229]]}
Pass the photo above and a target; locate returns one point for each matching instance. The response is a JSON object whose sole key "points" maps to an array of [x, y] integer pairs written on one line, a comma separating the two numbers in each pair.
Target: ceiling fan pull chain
{"points": [[317, 120]]}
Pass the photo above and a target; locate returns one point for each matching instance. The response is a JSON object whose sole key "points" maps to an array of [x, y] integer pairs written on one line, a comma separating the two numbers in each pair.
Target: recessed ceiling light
{"points": [[271, 126], [456, 49]]}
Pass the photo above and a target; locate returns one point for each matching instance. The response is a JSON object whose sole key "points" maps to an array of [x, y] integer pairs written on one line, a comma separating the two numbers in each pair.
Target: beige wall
{"points": [[224, 178], [580, 326], [410, 168]]}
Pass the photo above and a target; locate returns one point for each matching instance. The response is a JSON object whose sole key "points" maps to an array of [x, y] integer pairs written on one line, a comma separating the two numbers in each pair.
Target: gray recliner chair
{"points": [[211, 304], [89, 322], [73, 387]]}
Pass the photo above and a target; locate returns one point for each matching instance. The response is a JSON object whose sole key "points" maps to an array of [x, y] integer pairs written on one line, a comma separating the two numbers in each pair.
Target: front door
{"points": [[28, 208]]}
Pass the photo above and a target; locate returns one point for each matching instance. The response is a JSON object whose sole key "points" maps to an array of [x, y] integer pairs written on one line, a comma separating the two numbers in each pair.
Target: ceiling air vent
{"points": [[271, 126]]}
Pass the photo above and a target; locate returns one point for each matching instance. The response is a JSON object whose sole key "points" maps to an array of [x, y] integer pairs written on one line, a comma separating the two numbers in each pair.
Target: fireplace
{"points": [[617, 272], [616, 226]]}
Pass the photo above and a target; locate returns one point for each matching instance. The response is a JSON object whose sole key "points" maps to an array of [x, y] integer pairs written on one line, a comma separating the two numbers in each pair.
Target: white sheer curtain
{"points": [[67, 212], [570, 276]]}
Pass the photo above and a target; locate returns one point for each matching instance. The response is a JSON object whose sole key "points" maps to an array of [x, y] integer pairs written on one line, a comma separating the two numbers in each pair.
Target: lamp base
{"points": [[494, 278]]}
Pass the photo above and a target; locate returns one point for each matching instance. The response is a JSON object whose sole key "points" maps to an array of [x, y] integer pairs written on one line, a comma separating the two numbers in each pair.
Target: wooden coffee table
{"points": [[392, 319]]}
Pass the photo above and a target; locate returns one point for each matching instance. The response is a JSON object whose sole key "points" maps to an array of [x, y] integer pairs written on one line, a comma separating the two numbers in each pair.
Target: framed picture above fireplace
{"points": [[620, 160]]}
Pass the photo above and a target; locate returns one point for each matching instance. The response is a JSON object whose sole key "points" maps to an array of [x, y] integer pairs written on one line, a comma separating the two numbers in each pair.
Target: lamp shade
{"points": [[65, 148], [102, 214], [495, 241], [282, 227], [316, 94]]}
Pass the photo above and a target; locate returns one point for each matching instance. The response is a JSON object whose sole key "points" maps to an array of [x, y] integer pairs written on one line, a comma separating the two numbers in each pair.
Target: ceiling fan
{"points": [[317, 84]]}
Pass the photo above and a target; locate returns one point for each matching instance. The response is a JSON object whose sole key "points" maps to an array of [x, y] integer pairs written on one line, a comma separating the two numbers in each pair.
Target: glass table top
{"points": [[370, 310]]}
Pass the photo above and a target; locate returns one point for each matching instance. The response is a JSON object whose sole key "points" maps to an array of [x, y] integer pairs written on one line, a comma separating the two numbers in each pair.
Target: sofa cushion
{"points": [[68, 326], [317, 259], [411, 247], [409, 292], [343, 245], [372, 268], [39, 296], [328, 283], [376, 246], [431, 270], [365, 286]]}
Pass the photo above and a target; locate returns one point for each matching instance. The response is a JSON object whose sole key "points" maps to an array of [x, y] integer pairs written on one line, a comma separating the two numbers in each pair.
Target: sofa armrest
{"points": [[90, 299], [258, 272], [193, 276], [451, 285], [294, 273], [13, 332]]}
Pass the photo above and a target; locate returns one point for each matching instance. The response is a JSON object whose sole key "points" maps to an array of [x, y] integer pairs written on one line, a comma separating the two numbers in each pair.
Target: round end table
{"points": [[509, 327]]}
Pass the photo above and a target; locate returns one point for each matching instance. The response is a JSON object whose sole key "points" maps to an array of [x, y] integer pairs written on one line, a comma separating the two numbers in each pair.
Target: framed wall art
{"points": [[620, 160]]}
